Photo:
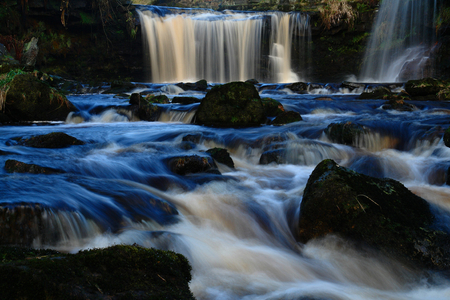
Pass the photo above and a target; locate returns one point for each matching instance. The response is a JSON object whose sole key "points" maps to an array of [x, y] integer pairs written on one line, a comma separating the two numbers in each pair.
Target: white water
{"points": [[187, 45], [401, 41]]}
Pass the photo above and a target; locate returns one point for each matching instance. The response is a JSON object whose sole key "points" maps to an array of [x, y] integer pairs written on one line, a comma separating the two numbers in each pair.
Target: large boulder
{"points": [[192, 164], [117, 272], [381, 213], [346, 133], [50, 140], [380, 92], [427, 87], [235, 104], [30, 99]]}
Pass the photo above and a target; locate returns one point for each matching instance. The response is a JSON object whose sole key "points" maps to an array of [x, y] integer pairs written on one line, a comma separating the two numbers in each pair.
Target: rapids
{"points": [[236, 229]]}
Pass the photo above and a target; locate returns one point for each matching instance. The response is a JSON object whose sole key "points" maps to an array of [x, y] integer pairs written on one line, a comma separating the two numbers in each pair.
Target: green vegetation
{"points": [[336, 12]]}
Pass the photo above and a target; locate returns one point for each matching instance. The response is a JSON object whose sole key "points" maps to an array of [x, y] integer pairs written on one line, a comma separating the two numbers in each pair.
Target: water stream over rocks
{"points": [[236, 228]]}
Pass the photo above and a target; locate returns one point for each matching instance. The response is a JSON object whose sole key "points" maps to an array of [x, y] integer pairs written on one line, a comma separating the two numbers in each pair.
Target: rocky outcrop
{"points": [[286, 118], [50, 140], [200, 85], [222, 156], [30, 99], [235, 104], [192, 164], [428, 89], [345, 133], [380, 92], [117, 272], [15, 166], [272, 108], [381, 213]]}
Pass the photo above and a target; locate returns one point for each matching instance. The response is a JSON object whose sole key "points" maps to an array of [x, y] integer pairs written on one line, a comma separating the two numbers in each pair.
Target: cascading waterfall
{"points": [[401, 41], [189, 45]]}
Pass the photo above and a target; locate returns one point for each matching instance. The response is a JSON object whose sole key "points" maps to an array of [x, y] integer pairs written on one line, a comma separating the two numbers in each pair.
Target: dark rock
{"points": [[193, 138], [185, 100], [252, 81], [286, 118], [298, 87], [399, 105], [345, 132], [135, 99], [277, 156], [14, 166], [119, 87], [161, 99], [272, 108], [148, 111], [192, 164], [380, 92], [117, 272], [200, 85], [427, 87], [235, 104], [222, 156], [381, 213], [447, 137], [29, 99], [50, 140], [351, 86]]}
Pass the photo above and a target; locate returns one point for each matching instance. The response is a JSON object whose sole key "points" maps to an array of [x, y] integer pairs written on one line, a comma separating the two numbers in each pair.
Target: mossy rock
{"points": [[149, 112], [15, 166], [447, 137], [298, 87], [201, 85], [161, 99], [185, 100], [381, 213], [399, 105], [427, 87], [192, 164], [222, 156], [380, 92], [235, 104], [272, 107], [117, 272], [345, 132], [50, 140], [286, 118], [29, 99]]}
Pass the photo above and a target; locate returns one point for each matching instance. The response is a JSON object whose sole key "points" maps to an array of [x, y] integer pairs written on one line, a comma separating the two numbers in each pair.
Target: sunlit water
{"points": [[236, 229]]}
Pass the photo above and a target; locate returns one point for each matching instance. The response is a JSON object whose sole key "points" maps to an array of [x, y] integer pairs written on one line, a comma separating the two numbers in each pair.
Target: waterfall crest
{"points": [[189, 45], [401, 41]]}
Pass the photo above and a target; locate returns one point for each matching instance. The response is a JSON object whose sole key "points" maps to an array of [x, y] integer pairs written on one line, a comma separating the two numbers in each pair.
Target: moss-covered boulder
{"points": [[399, 105], [201, 85], [298, 87], [286, 118], [192, 164], [446, 137], [161, 99], [235, 104], [50, 140], [381, 213], [345, 133], [272, 107], [380, 92], [222, 156], [15, 166], [29, 99], [426, 87], [117, 272]]}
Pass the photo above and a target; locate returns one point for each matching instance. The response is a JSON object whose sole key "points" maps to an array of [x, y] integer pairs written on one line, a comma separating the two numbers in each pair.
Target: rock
{"points": [[30, 53], [298, 87], [286, 118], [380, 92], [252, 81], [200, 85], [50, 140], [192, 164], [148, 111], [447, 137], [14, 166], [399, 105], [117, 272], [352, 86], [345, 133], [120, 87], [272, 108], [235, 104], [381, 213], [185, 100], [277, 156], [444, 94], [29, 99], [427, 87], [135, 99], [222, 156], [161, 99]]}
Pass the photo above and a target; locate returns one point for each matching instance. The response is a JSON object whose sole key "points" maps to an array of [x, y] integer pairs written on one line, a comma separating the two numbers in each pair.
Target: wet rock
{"points": [[447, 137], [30, 99], [427, 88], [352, 86], [345, 132], [50, 140], [14, 166], [135, 99], [381, 213], [235, 104], [146, 111], [120, 87], [161, 99], [193, 138], [222, 156], [252, 81], [380, 92], [185, 100], [399, 105], [298, 87], [200, 85], [272, 108], [286, 118], [117, 272], [277, 156], [192, 164]]}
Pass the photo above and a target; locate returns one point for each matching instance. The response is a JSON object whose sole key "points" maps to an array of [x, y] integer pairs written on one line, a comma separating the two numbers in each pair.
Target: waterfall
{"points": [[401, 41], [189, 45]]}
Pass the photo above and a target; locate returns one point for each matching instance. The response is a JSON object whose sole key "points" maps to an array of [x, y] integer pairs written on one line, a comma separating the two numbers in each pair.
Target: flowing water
{"points": [[189, 45], [237, 228], [402, 39]]}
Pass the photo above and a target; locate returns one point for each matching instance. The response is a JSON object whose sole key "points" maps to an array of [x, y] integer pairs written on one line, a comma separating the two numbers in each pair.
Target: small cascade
{"points": [[185, 45], [401, 42]]}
